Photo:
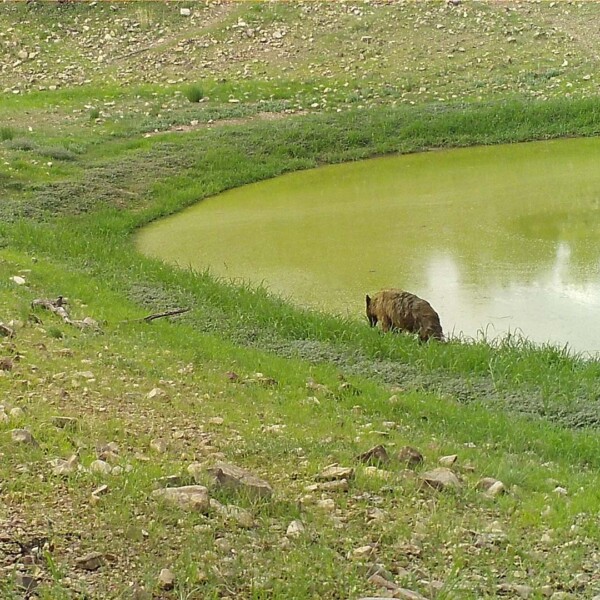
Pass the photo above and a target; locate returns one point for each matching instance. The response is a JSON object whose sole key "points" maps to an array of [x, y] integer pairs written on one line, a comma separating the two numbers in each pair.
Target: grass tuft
{"points": [[194, 93]]}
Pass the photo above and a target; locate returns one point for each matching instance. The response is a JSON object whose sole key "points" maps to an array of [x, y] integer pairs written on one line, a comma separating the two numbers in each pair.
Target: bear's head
{"points": [[370, 314]]}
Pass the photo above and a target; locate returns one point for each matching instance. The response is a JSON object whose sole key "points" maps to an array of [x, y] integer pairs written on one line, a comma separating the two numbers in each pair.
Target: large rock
{"points": [[187, 497], [410, 456], [441, 479], [232, 477], [377, 454]]}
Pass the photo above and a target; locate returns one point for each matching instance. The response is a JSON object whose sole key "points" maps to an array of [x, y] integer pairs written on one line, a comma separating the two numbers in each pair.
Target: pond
{"points": [[498, 239]]}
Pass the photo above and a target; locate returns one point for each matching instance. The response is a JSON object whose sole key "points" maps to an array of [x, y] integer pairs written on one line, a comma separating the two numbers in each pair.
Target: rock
{"points": [[335, 473], [241, 516], [448, 461], [382, 582], [64, 467], [6, 364], [189, 497], [486, 483], [18, 280], [223, 545], [26, 582], [22, 436], [441, 479], [333, 486], [522, 591], [100, 491], [295, 529], [171, 481], [560, 491], [16, 412], [326, 504], [496, 489], [166, 580], [377, 454], [376, 514], [155, 393], [232, 477], [90, 562], [399, 592], [185, 12], [196, 470], [100, 466], [379, 570], [159, 446], [362, 553], [410, 456], [405, 594], [64, 422], [375, 472], [562, 596], [6, 331]]}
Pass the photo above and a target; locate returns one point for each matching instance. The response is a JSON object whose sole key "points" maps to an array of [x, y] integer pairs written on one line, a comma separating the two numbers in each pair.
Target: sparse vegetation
{"points": [[243, 376]]}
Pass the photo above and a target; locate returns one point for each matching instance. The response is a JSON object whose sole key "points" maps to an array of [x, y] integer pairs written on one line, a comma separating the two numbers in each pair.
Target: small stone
{"points": [[22, 436], [522, 591], [441, 479], [90, 562], [362, 553], [100, 491], [326, 504], [159, 446], [26, 582], [196, 470], [410, 456], [335, 473], [166, 579], [216, 420], [154, 393], [223, 545], [62, 467], [448, 461], [189, 497], [295, 529], [185, 12], [61, 422], [16, 412], [6, 331], [496, 489], [18, 280], [560, 491], [333, 486], [376, 514], [382, 582], [375, 472], [100, 466]]}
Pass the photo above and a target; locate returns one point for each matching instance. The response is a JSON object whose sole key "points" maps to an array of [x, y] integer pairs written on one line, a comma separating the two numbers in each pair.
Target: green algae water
{"points": [[498, 239]]}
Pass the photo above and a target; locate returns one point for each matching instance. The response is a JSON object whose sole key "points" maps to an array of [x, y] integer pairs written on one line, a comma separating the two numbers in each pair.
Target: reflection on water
{"points": [[498, 239]]}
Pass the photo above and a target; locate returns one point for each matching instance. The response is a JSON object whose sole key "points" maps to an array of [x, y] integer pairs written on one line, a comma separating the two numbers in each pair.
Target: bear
{"points": [[402, 311]]}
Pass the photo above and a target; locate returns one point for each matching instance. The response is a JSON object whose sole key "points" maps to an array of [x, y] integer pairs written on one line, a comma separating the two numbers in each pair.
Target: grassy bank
{"points": [[243, 376]]}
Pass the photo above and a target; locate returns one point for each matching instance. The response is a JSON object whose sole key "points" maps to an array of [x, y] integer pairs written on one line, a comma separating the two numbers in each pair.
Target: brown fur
{"points": [[403, 311]]}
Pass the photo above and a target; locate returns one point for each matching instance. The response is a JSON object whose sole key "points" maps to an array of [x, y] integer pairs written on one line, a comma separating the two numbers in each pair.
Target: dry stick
{"points": [[169, 313]]}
